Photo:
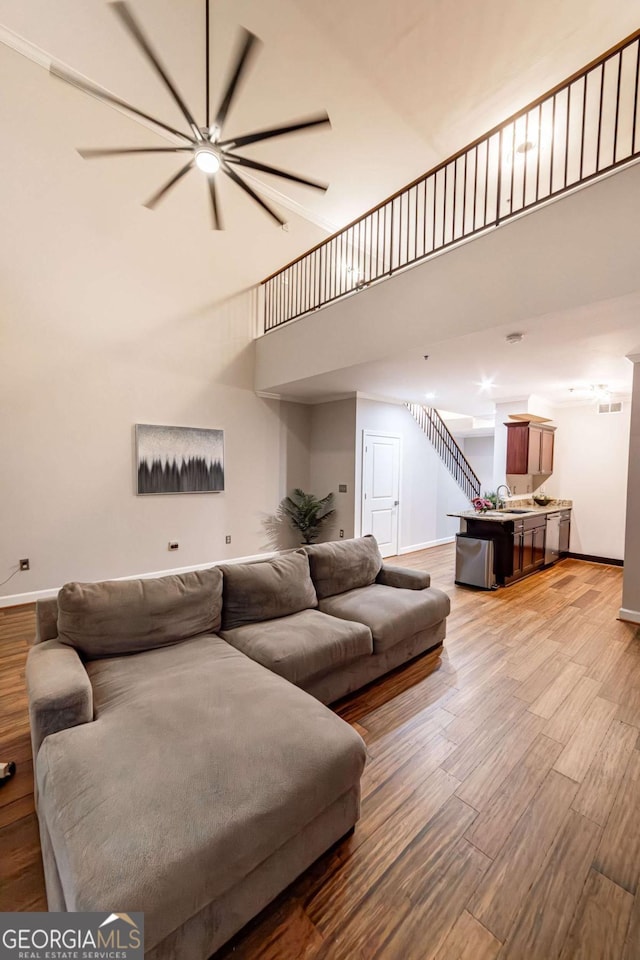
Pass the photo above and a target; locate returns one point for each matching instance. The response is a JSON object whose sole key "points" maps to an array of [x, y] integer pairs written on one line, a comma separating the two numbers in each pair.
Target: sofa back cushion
{"points": [[126, 616], [343, 565], [266, 590]]}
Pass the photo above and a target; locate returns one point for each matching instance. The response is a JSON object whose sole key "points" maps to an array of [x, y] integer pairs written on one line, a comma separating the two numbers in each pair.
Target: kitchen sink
{"points": [[495, 513], [502, 513]]}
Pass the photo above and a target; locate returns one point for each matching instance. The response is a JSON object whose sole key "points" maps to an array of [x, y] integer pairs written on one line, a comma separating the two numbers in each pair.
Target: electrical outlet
{"points": [[342, 488], [24, 564], [173, 545], [341, 534], [227, 539]]}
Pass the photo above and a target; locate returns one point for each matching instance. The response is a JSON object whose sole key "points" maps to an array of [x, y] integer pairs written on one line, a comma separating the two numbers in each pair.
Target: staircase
{"points": [[446, 446]]}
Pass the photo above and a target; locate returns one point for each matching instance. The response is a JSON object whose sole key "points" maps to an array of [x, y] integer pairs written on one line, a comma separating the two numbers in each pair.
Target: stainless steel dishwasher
{"points": [[474, 562], [565, 531], [552, 540]]}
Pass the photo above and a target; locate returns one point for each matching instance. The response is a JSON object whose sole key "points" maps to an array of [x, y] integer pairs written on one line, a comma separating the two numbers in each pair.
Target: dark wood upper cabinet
{"points": [[529, 448], [546, 451], [534, 457]]}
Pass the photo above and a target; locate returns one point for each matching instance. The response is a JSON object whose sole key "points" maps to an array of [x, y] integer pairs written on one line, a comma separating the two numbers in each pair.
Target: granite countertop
{"points": [[505, 516]]}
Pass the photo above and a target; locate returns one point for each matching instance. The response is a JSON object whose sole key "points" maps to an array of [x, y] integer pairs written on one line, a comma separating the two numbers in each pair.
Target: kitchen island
{"points": [[497, 547]]}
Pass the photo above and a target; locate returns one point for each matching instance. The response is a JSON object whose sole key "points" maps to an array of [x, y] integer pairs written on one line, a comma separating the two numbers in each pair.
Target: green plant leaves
{"points": [[308, 513]]}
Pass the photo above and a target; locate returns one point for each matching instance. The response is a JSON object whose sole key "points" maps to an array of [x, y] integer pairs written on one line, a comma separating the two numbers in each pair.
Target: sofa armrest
{"points": [[403, 577], [58, 688]]}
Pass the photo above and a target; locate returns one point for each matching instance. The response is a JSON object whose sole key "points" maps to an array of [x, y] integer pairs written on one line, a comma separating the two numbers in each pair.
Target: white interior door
{"points": [[381, 489]]}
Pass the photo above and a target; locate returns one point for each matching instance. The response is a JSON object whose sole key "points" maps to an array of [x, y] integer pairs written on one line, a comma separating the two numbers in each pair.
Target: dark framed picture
{"points": [[179, 459]]}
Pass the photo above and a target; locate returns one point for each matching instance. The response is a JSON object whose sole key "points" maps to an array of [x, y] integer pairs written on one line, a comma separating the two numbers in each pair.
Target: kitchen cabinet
{"points": [[529, 448], [528, 548], [519, 543]]}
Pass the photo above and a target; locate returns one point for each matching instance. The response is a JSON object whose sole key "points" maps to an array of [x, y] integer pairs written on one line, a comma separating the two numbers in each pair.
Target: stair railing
{"points": [[447, 448]]}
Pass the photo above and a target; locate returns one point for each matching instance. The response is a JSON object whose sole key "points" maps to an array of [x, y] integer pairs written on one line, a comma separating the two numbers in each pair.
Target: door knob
{"points": [[396, 503]]}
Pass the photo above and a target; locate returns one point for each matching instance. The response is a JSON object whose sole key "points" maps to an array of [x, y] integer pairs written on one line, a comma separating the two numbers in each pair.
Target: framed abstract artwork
{"points": [[179, 459]]}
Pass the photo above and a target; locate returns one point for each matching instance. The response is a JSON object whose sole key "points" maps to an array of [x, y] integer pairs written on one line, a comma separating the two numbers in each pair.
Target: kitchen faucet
{"points": [[501, 503]]}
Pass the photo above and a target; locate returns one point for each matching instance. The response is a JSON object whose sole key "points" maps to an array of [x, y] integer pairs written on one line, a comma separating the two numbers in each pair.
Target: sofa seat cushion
{"points": [[303, 647], [254, 592], [392, 614], [126, 616], [199, 764], [343, 565]]}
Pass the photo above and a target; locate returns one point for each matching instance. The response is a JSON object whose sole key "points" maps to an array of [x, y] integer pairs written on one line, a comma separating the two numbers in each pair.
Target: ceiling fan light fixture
{"points": [[203, 145], [207, 160]]}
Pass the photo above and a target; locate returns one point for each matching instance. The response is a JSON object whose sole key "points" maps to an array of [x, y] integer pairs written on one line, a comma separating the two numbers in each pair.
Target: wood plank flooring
{"points": [[501, 800]]}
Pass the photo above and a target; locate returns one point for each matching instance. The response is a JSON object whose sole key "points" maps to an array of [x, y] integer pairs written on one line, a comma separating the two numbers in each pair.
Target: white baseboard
{"points": [[414, 547], [630, 616], [18, 599]]}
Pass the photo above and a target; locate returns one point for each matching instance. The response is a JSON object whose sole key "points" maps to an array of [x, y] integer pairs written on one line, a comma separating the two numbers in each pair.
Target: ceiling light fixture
{"points": [[514, 337], [486, 384], [195, 144], [353, 273], [600, 392], [430, 396], [207, 160]]}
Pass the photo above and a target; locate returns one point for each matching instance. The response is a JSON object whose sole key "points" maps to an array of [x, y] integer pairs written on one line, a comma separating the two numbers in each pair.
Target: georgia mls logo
{"points": [[71, 936]]}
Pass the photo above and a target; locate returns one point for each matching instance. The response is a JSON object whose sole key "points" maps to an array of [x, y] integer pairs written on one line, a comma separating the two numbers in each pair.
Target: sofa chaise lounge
{"points": [[175, 775]]}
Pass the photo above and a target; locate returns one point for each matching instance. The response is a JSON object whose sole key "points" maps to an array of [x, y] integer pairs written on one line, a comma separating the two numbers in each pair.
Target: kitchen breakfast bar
{"points": [[497, 547]]}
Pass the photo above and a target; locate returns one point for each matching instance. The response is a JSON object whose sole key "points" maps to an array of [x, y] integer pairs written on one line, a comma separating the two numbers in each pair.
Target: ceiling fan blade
{"points": [[247, 49], [215, 206], [254, 196], [120, 152], [265, 168], [121, 8], [87, 87], [275, 132], [207, 94], [152, 201]]}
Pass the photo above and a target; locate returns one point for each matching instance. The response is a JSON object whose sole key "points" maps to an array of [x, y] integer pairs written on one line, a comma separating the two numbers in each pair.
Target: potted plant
{"points": [[308, 513]]}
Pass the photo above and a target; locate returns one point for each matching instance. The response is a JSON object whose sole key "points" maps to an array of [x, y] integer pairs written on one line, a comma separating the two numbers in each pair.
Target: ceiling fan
{"points": [[204, 146]]}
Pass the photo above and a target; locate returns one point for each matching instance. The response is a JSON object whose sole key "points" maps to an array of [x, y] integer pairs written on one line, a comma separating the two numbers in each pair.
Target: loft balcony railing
{"points": [[582, 129]]}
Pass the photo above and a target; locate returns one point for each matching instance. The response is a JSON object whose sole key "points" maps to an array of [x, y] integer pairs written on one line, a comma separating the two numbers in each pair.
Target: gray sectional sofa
{"points": [[175, 775]]}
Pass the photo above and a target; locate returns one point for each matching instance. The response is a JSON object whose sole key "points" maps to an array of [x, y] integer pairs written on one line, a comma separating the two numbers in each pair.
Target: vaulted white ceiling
{"points": [[405, 85]]}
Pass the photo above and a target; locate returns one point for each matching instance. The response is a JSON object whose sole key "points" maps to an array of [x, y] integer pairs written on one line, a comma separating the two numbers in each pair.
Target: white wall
{"points": [[332, 460], [479, 453], [500, 442], [427, 490], [590, 467], [71, 391], [631, 587]]}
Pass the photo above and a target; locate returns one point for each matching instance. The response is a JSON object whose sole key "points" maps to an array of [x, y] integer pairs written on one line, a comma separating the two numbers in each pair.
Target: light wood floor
{"points": [[501, 802]]}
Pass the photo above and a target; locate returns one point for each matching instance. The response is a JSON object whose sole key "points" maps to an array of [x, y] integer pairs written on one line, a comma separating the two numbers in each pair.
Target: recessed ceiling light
{"points": [[486, 384], [430, 396]]}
